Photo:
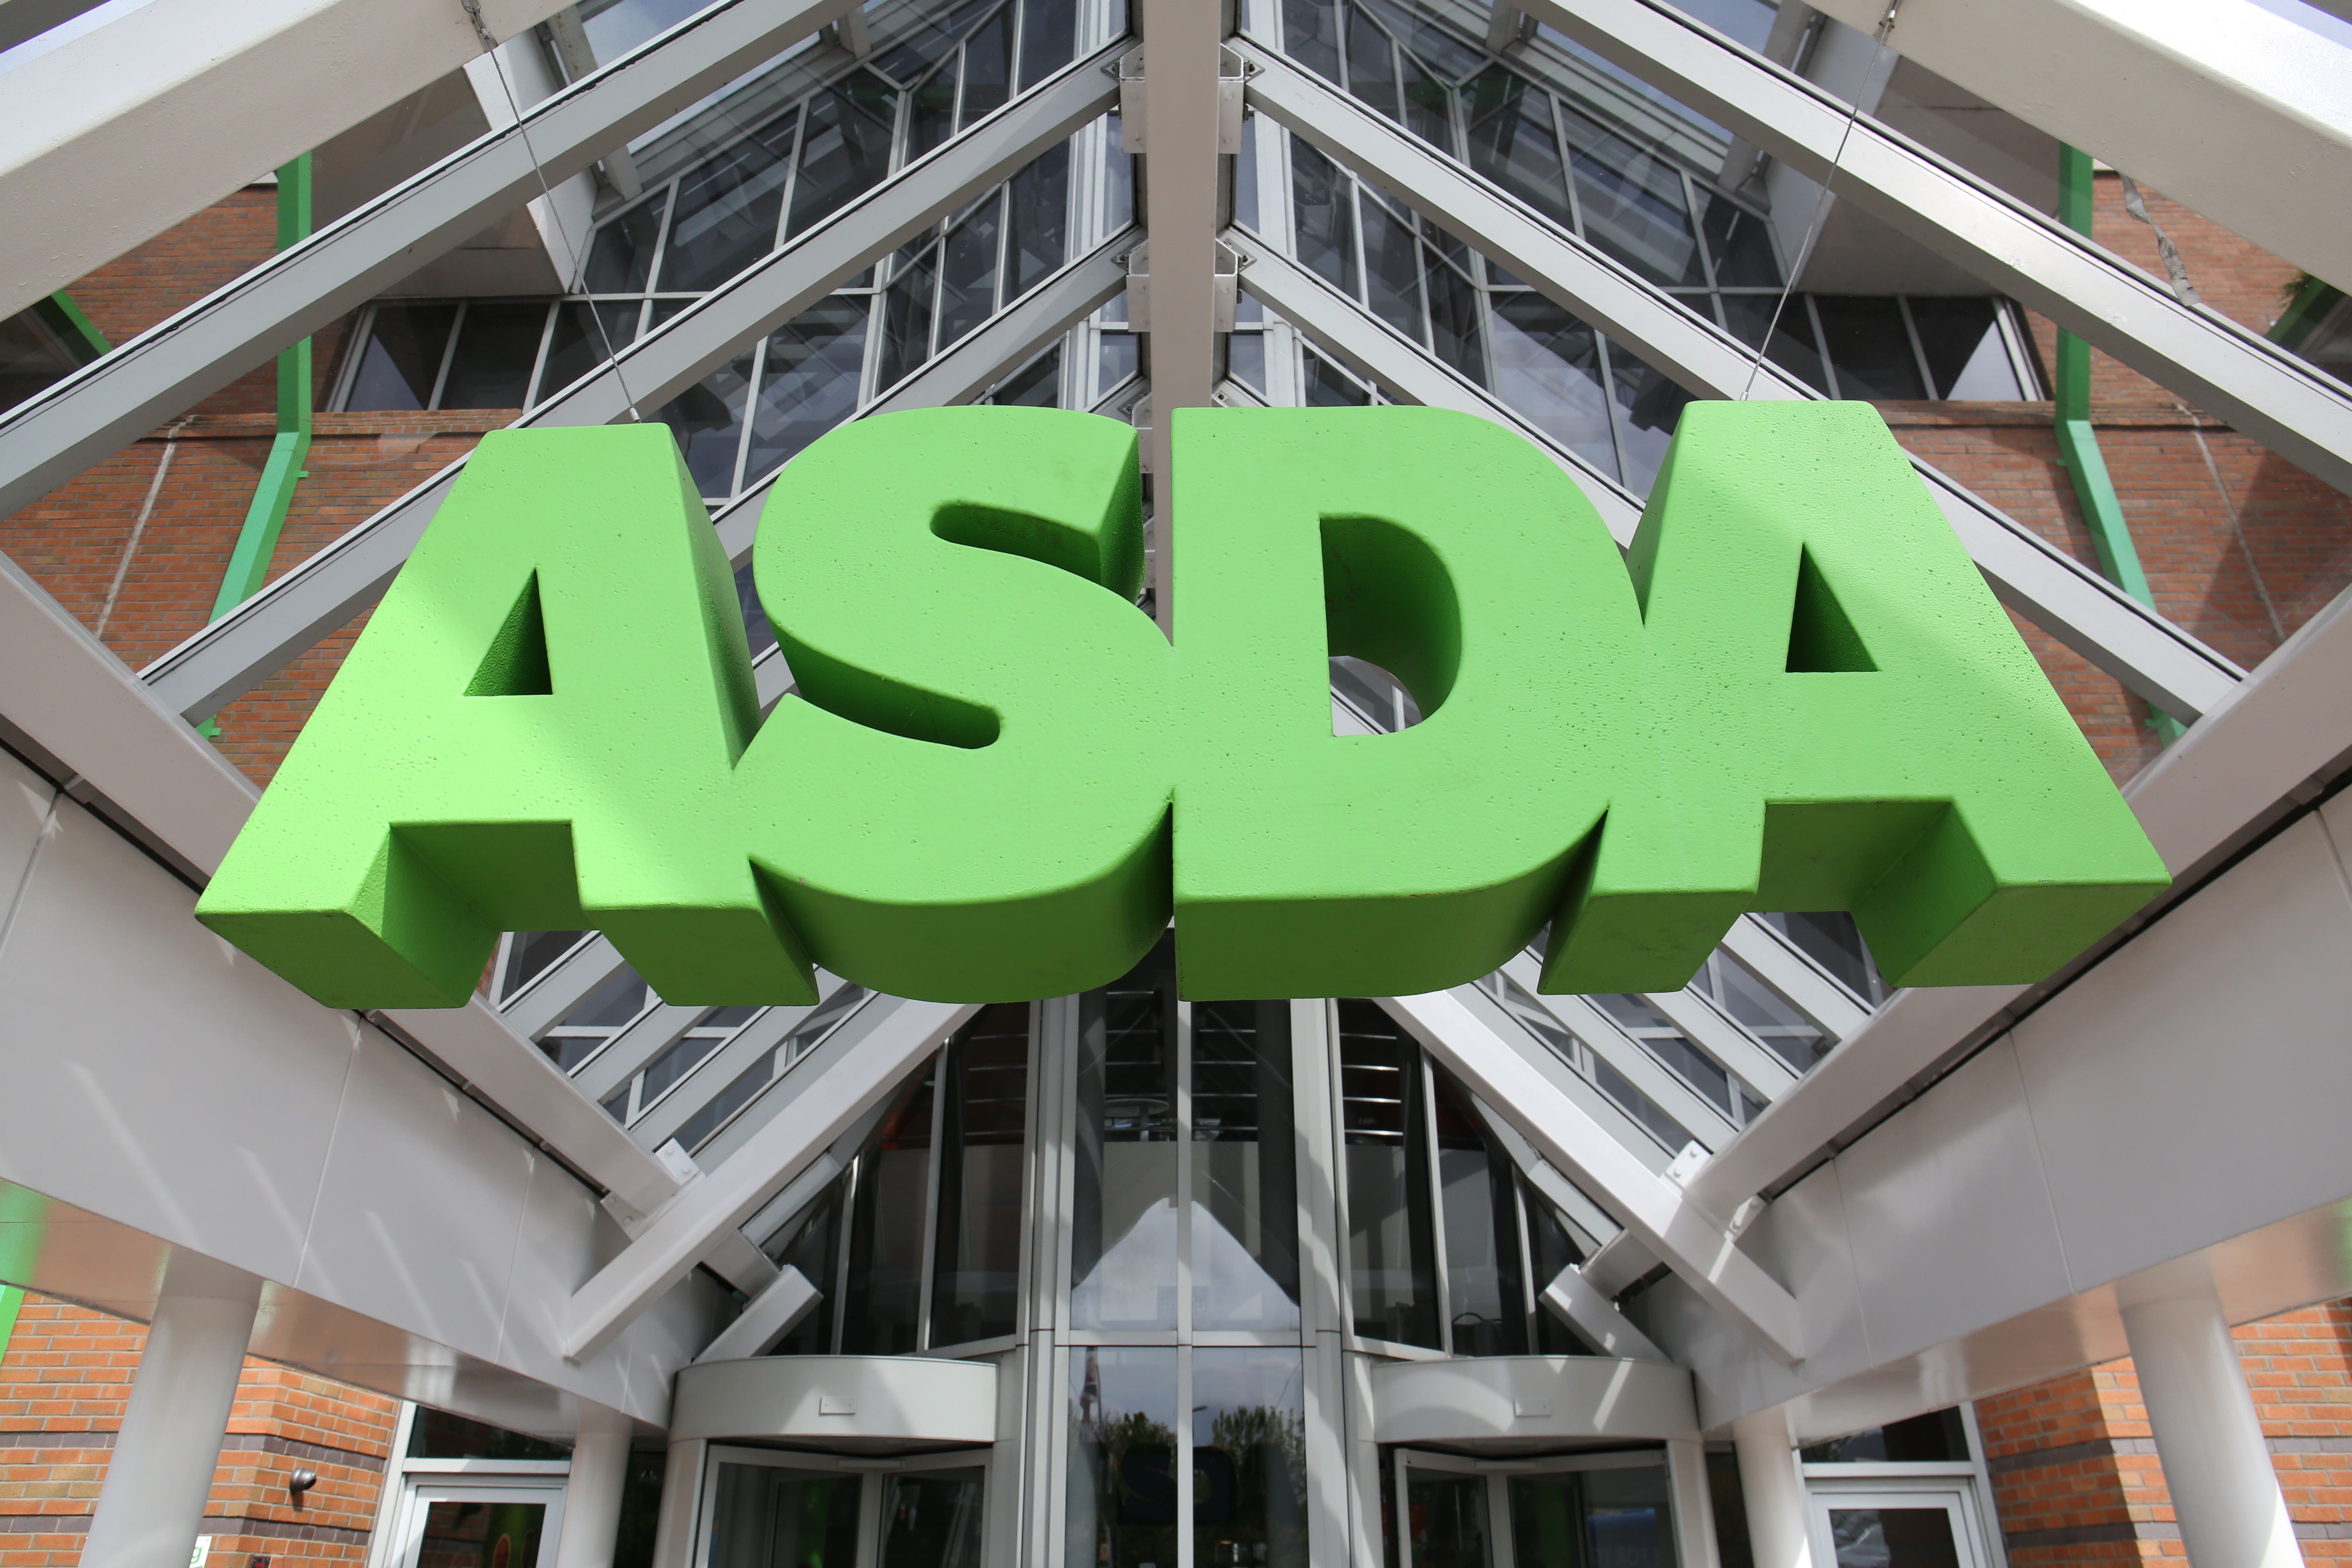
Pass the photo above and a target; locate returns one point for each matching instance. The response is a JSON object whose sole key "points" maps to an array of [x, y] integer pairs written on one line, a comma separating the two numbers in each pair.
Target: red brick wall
{"points": [[64, 1381]]}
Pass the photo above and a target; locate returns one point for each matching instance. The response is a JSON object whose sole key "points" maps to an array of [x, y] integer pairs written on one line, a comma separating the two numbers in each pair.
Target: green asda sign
{"points": [[998, 780]]}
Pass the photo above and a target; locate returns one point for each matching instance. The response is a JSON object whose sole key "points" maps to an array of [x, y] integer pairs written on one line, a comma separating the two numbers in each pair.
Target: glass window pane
{"points": [[1741, 243], [968, 271], [1392, 1251], [809, 1247], [1116, 356], [1049, 37], [726, 214], [673, 1064], [1615, 1517], [613, 1003], [1325, 208], [1428, 106], [403, 357], [931, 1520], [1648, 404], [1633, 205], [893, 1187], [846, 150], [1424, 35], [1328, 386], [907, 320], [578, 343], [497, 346], [756, 629], [1119, 180], [1868, 346], [621, 261], [708, 419], [1670, 1046], [1830, 939], [815, 361], [1793, 349], [1940, 1437], [987, 67], [1245, 1182], [530, 953], [1310, 35], [481, 1534], [1893, 1538], [1245, 359], [1249, 1457], [1454, 320], [930, 41], [1965, 354], [1446, 1525], [1120, 1497], [1484, 1281], [931, 119], [985, 1114], [1123, 1224], [1547, 367], [1551, 1249], [1734, 988], [1371, 63], [1039, 215], [1392, 270], [1037, 384], [766, 1516], [1511, 141]]}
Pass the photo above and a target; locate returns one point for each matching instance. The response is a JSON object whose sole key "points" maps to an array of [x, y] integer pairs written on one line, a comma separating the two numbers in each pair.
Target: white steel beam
{"points": [[2148, 654], [244, 646], [839, 1081], [2289, 405], [1649, 1205], [165, 371], [1596, 1316], [158, 113], [2222, 104], [767, 1317]]}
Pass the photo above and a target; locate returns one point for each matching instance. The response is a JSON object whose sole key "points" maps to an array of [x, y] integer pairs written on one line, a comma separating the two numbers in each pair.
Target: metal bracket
{"points": [[1228, 284], [1232, 78]]}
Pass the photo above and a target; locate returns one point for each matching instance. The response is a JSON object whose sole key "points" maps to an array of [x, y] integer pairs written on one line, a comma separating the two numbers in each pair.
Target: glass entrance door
{"points": [[1568, 1510], [1887, 1527], [454, 1525], [764, 1508]]}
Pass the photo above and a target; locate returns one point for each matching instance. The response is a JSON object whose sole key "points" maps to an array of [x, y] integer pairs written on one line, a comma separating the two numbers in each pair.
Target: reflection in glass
{"points": [[1372, 64], [987, 67], [1893, 1538], [1037, 220], [811, 384], [1244, 1187], [907, 320], [1037, 384], [1249, 1457], [892, 1184], [1328, 386], [1324, 207], [498, 344], [1605, 1518], [1391, 1253], [726, 210], [1648, 404], [1485, 1292], [1869, 347], [1445, 1523], [1310, 35], [622, 259], [708, 419], [1964, 348], [931, 1520], [1123, 1240], [1121, 1490], [1454, 320], [481, 1534], [577, 346], [1741, 244], [809, 1247], [847, 149], [1512, 143], [983, 1115], [968, 273], [1632, 202], [1115, 357], [1547, 366], [1049, 37], [1750, 316], [1551, 1249], [1393, 269], [402, 361], [768, 1517]]}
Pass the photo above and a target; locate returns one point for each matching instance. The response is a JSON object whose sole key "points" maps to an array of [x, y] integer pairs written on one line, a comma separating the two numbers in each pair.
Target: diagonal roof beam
{"points": [[233, 654], [2148, 654], [162, 372], [2292, 408]]}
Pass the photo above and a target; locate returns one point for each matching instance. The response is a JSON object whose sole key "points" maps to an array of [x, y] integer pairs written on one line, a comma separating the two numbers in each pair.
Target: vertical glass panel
{"points": [[1249, 1457], [1119, 180], [577, 344], [1893, 1538], [846, 150], [1485, 1279], [1670, 1046], [1116, 359], [1741, 243], [810, 1247], [1965, 354], [811, 383], [1613, 1518], [1869, 347], [1551, 1249], [1393, 269], [1749, 316], [1758, 1009], [907, 320], [756, 627], [613, 1003], [726, 206], [968, 271], [987, 67], [1038, 214], [1122, 1492], [1245, 359], [1310, 35], [1391, 1255], [708, 419], [481, 1534], [931, 119], [1049, 37], [621, 261], [1445, 1524], [1037, 384], [893, 1182], [497, 346], [1940, 1437], [529, 955], [1633, 205], [932, 40], [1324, 203], [1123, 1220], [1454, 320], [1830, 939], [1328, 386], [768, 1517], [931, 1520], [984, 1114], [1511, 141], [1371, 63], [1428, 106], [1244, 1180], [1547, 367], [1648, 404], [403, 357], [1423, 35]]}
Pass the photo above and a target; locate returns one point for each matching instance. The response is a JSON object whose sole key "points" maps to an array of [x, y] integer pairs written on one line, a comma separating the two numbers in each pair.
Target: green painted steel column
{"points": [[12, 1301], [65, 318], [2078, 443]]}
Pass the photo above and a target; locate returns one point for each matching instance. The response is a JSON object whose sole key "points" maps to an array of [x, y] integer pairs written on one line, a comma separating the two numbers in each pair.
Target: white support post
{"points": [[681, 1500], [161, 1473], [1693, 1506], [1774, 1488], [592, 1498], [2225, 1493]]}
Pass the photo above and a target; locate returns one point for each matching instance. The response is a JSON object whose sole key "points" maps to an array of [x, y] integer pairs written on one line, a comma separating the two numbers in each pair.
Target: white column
{"points": [[1693, 1506], [152, 1502], [681, 1499], [1774, 1487], [592, 1498], [2225, 1492]]}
